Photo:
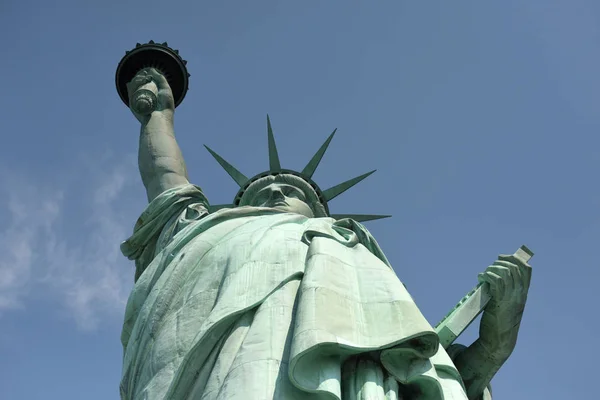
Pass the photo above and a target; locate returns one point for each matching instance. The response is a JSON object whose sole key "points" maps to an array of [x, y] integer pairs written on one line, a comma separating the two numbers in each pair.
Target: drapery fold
{"points": [[248, 295]]}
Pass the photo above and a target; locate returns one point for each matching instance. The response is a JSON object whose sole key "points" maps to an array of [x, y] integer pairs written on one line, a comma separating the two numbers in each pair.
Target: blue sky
{"points": [[482, 119]]}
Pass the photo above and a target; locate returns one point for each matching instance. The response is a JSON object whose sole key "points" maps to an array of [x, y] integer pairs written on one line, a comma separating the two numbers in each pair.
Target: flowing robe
{"points": [[255, 303]]}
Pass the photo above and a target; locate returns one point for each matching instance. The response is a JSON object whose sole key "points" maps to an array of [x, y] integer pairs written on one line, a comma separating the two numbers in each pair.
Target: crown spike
{"points": [[359, 217], [274, 164], [312, 165], [237, 176], [335, 191]]}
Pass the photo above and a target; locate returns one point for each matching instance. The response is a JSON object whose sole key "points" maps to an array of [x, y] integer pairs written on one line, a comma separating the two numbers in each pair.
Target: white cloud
{"points": [[30, 218], [86, 271]]}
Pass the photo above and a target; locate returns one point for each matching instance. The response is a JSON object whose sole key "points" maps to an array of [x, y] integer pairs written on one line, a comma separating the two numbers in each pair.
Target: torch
{"points": [[151, 55]]}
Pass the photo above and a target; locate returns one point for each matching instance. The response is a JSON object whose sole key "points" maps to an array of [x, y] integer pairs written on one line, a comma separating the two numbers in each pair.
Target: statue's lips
{"points": [[278, 203]]}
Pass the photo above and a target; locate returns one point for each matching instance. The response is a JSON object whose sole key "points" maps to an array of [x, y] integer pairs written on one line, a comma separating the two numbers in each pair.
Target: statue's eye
{"points": [[260, 198], [296, 193]]}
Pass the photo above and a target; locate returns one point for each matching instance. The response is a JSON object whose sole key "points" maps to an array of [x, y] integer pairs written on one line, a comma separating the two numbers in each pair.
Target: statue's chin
{"points": [[285, 208]]}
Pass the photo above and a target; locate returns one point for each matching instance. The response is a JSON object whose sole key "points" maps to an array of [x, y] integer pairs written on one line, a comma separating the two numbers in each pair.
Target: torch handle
{"points": [[144, 99]]}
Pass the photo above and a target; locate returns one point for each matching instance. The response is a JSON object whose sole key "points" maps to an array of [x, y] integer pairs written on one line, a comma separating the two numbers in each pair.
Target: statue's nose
{"points": [[277, 194]]}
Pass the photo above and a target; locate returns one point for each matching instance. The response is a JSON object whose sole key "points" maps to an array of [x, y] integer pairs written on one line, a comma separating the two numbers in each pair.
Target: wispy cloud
{"points": [[30, 219], [85, 271]]}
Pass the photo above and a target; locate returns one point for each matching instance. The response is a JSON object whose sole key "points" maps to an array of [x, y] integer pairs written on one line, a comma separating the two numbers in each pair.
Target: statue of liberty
{"points": [[274, 297]]}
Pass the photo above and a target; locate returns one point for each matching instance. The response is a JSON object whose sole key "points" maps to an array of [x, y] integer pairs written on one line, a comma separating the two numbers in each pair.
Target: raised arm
{"points": [[160, 160]]}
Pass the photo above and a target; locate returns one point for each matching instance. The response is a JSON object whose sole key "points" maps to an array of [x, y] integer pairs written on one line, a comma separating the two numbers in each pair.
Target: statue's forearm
{"points": [[498, 332], [477, 366], [160, 160]]}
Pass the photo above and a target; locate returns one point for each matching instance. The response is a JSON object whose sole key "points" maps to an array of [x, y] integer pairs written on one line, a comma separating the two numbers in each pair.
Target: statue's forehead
{"points": [[278, 183]]}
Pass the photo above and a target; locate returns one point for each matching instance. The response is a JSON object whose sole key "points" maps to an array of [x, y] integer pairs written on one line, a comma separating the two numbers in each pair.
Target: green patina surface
{"points": [[274, 297]]}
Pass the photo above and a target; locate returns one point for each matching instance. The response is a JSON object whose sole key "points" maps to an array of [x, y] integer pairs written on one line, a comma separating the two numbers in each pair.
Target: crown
{"points": [[275, 169]]}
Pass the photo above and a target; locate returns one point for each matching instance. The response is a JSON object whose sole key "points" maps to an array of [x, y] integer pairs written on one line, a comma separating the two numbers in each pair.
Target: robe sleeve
{"points": [[163, 218]]}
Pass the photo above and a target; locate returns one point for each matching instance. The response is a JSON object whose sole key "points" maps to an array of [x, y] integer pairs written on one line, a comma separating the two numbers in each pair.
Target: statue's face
{"points": [[283, 197]]}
